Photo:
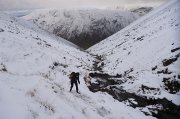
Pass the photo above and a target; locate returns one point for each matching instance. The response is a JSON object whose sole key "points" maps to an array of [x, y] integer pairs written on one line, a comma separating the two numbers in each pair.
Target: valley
{"points": [[131, 73]]}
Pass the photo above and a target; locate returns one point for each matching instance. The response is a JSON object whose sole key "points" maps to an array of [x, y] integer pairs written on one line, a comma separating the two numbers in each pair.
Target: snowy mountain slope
{"points": [[146, 54], [84, 27], [34, 69], [142, 10]]}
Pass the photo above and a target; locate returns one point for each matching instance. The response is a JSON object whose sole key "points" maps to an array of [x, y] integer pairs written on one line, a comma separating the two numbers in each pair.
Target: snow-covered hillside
{"points": [[142, 10], [34, 84], [146, 54], [84, 27]]}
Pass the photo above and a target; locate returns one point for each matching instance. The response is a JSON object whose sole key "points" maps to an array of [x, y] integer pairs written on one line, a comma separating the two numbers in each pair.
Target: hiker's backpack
{"points": [[72, 76]]}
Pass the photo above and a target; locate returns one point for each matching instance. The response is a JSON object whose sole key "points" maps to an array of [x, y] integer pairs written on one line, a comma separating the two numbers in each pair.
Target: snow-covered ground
{"points": [[148, 51], [142, 10], [84, 27], [34, 68], [34, 84]]}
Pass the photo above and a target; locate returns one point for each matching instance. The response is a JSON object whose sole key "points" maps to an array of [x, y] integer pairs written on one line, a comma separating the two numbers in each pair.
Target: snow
{"points": [[35, 66], [143, 45], [79, 19], [77, 25], [33, 87]]}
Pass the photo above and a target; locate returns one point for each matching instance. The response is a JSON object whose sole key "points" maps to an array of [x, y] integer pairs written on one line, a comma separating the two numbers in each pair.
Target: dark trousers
{"points": [[72, 84]]}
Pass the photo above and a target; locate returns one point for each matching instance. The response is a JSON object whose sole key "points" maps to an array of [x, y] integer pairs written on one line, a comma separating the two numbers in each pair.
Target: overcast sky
{"points": [[31, 4]]}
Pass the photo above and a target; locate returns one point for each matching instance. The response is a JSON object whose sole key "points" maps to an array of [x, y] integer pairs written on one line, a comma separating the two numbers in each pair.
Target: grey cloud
{"points": [[31, 4]]}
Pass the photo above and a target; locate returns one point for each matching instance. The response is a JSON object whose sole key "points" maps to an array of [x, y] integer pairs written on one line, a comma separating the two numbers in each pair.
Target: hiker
{"points": [[74, 77]]}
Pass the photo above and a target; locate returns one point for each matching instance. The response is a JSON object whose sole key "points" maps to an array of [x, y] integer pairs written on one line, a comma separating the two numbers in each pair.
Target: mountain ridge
{"points": [[84, 27]]}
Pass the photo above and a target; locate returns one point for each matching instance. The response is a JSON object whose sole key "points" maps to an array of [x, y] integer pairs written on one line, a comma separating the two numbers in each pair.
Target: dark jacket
{"points": [[74, 77]]}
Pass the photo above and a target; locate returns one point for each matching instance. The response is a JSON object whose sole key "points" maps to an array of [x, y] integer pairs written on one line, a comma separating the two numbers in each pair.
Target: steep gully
{"points": [[160, 108]]}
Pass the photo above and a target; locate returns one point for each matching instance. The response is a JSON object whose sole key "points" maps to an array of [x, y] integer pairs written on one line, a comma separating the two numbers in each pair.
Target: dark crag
{"points": [[160, 108]]}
